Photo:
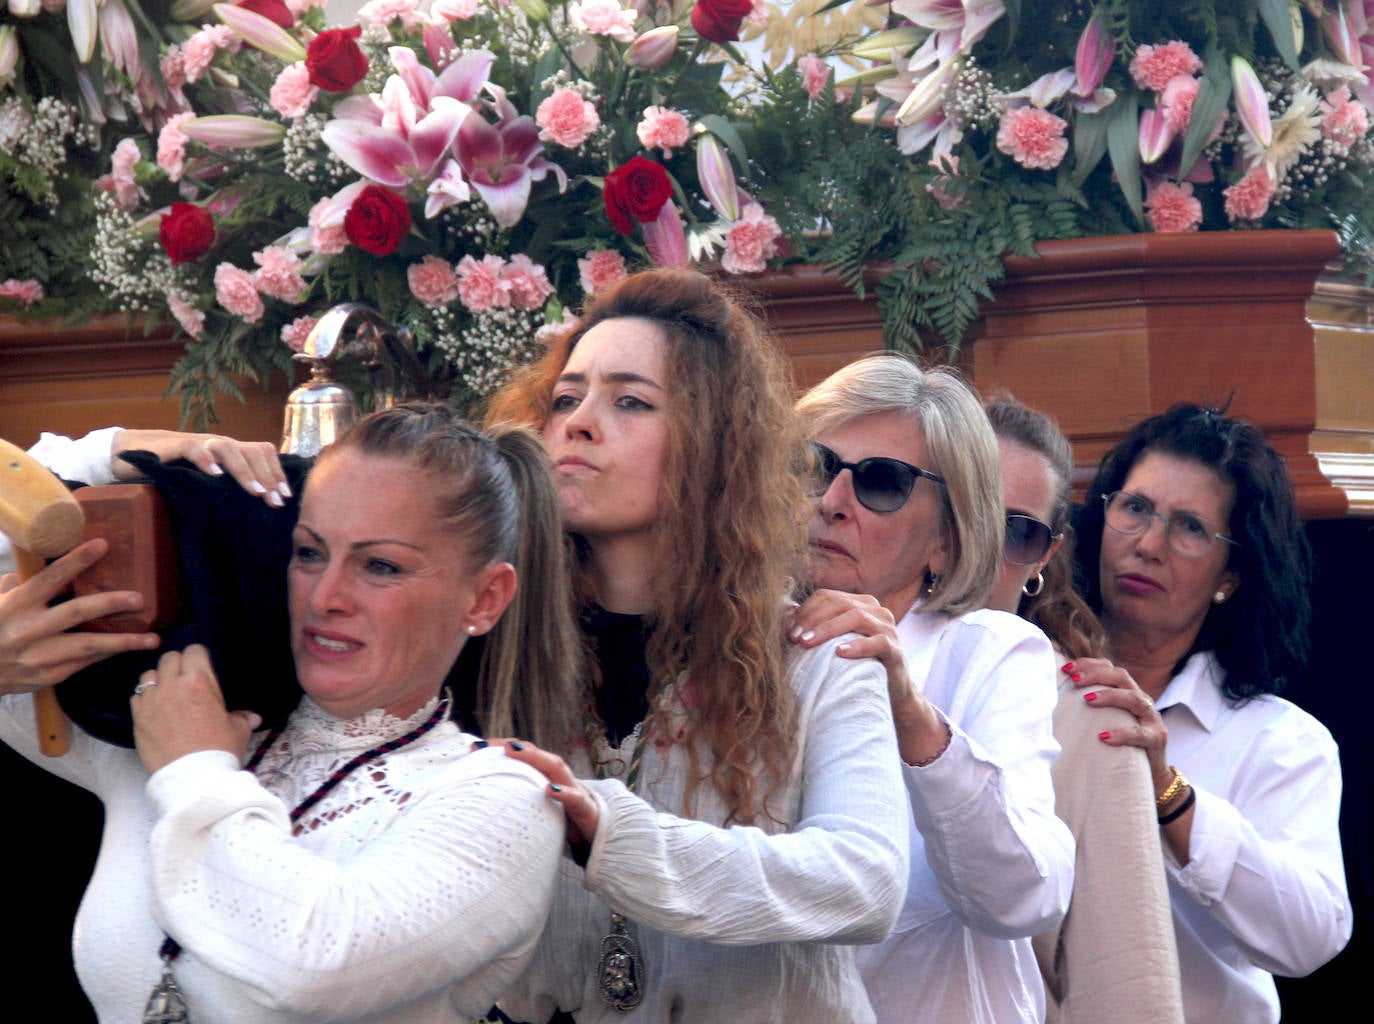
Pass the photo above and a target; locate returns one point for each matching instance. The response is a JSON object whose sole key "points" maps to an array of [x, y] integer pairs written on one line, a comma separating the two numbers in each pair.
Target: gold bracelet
{"points": [[1172, 789]]}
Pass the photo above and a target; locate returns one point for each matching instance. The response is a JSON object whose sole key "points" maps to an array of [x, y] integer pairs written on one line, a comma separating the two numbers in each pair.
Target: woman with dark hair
{"points": [[1193, 554], [1113, 960], [733, 807]]}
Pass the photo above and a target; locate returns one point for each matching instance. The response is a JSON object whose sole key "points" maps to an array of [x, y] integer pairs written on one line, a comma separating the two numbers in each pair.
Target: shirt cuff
{"points": [[1213, 846]]}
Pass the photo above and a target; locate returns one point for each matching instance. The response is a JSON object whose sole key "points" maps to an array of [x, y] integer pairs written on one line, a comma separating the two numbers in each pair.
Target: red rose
{"points": [[377, 220], [636, 191], [186, 232], [274, 11], [720, 20], [335, 60]]}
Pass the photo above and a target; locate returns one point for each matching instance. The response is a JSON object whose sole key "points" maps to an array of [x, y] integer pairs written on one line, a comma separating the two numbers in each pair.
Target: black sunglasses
{"points": [[1026, 539], [881, 484]]}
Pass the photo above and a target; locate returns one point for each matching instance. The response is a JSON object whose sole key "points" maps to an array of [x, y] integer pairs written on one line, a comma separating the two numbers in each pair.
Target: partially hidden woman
{"points": [[1113, 960], [734, 800], [906, 538], [1193, 555], [364, 862]]}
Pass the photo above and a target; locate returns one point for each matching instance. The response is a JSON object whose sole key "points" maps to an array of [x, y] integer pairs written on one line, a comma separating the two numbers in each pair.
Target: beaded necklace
{"points": [[166, 1004]]}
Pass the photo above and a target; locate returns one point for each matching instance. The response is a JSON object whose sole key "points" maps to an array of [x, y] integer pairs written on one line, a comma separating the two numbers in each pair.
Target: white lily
{"points": [[82, 18]]}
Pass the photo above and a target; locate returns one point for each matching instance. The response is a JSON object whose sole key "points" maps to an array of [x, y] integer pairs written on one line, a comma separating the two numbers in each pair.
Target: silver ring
{"points": [[140, 687]]}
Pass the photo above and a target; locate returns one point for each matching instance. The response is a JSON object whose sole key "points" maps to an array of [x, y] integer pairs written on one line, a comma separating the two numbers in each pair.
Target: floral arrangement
{"points": [[470, 168], [1032, 120]]}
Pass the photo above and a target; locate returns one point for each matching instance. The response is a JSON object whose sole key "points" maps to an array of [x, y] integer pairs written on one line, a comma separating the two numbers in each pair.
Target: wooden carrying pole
{"points": [[42, 520]]}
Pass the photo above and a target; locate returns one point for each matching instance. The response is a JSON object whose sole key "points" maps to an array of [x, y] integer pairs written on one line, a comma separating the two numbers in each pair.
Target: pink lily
{"points": [[1156, 135], [190, 10], [9, 54], [118, 39], [1342, 28], [653, 49], [447, 189], [501, 161], [665, 238], [82, 18], [1096, 50], [928, 95], [234, 131], [1252, 104], [261, 33], [717, 177], [439, 45], [407, 133]]}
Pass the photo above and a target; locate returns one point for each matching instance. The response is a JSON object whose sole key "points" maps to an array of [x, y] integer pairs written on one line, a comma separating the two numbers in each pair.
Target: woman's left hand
{"points": [[582, 810], [178, 709], [1121, 691]]}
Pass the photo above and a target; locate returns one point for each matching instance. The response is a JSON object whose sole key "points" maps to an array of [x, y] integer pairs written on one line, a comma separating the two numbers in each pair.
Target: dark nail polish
{"points": [[555, 787], [516, 745], [478, 744]]}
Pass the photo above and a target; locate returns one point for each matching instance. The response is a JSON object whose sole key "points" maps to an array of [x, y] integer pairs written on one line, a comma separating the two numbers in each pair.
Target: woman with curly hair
{"points": [[1193, 553], [733, 791]]}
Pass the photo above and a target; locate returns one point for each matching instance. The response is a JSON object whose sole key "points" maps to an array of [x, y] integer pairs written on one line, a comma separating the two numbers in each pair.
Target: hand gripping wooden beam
{"points": [[43, 520]]}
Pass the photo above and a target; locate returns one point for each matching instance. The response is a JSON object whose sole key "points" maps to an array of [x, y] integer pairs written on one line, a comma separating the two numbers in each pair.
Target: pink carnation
{"points": [[1153, 67], [663, 128], [279, 273], [1248, 199], [198, 51], [292, 92], [328, 240], [295, 333], [480, 285], [1344, 121], [600, 269], [815, 73], [171, 146], [603, 18], [1171, 208], [752, 240], [1033, 137], [433, 281], [453, 10], [192, 320], [1177, 101], [28, 291], [545, 333], [566, 118], [172, 64], [529, 285], [235, 291], [382, 13], [120, 180]]}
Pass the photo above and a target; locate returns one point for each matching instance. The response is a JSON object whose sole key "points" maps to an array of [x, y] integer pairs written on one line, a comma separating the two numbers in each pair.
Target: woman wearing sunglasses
{"points": [[906, 536], [1194, 556], [1113, 959]]}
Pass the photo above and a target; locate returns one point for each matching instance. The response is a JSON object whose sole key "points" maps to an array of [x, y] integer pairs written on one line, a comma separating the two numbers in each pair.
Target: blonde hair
{"points": [[959, 445], [730, 533]]}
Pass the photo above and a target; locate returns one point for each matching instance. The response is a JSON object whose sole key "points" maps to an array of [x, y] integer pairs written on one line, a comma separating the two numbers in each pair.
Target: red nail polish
{"points": [[1076, 676], [1104, 735], [1090, 697], [1066, 667]]}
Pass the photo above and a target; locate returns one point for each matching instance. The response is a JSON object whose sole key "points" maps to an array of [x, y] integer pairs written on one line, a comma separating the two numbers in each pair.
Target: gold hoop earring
{"points": [[1039, 585]]}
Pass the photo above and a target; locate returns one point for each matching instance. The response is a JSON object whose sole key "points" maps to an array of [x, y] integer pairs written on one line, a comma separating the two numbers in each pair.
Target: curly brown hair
{"points": [[730, 534]]}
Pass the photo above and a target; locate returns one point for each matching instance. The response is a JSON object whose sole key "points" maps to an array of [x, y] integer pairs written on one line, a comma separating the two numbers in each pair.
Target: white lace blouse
{"points": [[413, 892]]}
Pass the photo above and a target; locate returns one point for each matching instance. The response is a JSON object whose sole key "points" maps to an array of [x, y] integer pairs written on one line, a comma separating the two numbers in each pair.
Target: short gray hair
{"points": [[959, 443]]}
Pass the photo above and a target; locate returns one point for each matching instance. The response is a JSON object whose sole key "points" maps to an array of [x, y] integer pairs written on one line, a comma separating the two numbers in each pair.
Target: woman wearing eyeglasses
{"points": [[906, 537], [1113, 959], [1193, 553]]}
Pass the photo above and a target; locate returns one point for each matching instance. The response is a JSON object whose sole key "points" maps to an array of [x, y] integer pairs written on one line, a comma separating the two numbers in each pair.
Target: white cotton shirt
{"points": [[991, 864], [413, 895], [748, 924], [1264, 892]]}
